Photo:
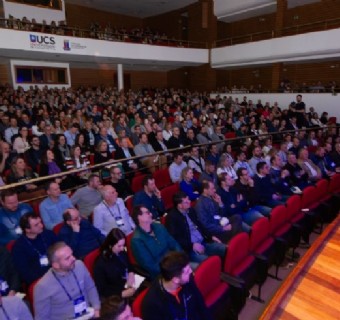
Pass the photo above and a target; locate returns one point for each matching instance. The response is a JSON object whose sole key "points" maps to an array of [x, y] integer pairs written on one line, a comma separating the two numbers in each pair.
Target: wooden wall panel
{"points": [[5, 75], [148, 79], [202, 78], [178, 78], [83, 16], [94, 77]]}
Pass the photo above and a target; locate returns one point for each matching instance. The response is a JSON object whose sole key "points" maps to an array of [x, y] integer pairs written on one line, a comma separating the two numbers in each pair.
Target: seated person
{"points": [[212, 215], [209, 174], [52, 208], [265, 192], [150, 197], [297, 176], [167, 297], [30, 250], [10, 282], [176, 167], [101, 154], [121, 185], [116, 308], [234, 202], [14, 308], [112, 272], [111, 213], [10, 215], [280, 176], [189, 185], [195, 161], [225, 165], [88, 197], [79, 234], [320, 161], [183, 225], [313, 171], [150, 241]]}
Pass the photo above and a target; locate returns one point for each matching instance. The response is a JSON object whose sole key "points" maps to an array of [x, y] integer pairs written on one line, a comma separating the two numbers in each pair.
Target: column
{"points": [[120, 77]]}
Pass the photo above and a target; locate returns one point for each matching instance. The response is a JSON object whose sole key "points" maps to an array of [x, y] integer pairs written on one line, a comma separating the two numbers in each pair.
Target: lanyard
{"points": [[4, 312], [35, 249], [112, 214], [75, 278]]}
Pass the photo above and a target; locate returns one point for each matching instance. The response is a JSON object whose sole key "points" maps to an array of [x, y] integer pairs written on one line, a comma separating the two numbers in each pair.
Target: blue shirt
{"points": [[153, 204], [9, 222], [52, 212]]}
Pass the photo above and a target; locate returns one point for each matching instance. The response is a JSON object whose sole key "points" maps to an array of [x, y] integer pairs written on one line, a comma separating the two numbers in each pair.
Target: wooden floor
{"points": [[312, 290]]}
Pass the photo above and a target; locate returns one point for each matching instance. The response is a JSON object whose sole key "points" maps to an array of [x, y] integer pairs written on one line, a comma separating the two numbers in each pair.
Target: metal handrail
{"points": [[182, 149]]}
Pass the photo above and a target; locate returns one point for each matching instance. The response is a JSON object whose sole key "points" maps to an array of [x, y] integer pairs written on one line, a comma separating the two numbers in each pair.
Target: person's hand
{"points": [[239, 197], [157, 193], [218, 199], [250, 182], [129, 292], [133, 165], [227, 227], [216, 239], [75, 226], [233, 206], [276, 196], [131, 280], [284, 173], [31, 186], [198, 248]]}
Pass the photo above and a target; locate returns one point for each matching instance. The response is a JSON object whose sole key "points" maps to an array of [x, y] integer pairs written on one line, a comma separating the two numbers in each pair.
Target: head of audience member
{"points": [[23, 132], [283, 146], [296, 142], [110, 195], [262, 168], [181, 202], [60, 257], [5, 148], [101, 146], [149, 185], [257, 152], [291, 158], [143, 138], [320, 152], [276, 162], [9, 200], [187, 174], [53, 190], [13, 122], [226, 181], [159, 135], [114, 243], [47, 156], [94, 181], [80, 139], [60, 140], [178, 158], [116, 308], [241, 156], [213, 149], [35, 142], [175, 269], [71, 217], [225, 161], [18, 166], [191, 134], [31, 225], [208, 189], [303, 154], [243, 176], [194, 152], [176, 132], [142, 217], [210, 167], [103, 132], [115, 174]]}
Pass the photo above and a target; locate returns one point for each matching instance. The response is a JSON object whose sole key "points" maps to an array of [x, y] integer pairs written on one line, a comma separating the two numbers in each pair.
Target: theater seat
{"points": [[167, 195], [90, 259], [137, 304], [57, 228], [136, 184], [162, 178]]}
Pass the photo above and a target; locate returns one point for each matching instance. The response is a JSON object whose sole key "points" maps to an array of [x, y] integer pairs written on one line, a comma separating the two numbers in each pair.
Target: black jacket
{"points": [[178, 227]]}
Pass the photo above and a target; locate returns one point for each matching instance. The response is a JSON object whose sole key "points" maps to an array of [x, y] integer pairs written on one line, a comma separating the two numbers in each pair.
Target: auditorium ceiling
{"points": [[135, 8]]}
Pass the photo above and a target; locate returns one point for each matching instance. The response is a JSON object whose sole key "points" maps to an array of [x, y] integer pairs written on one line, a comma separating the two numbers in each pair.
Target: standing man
{"points": [[298, 108], [10, 215], [112, 213], [88, 197], [30, 250], [67, 289], [174, 295]]}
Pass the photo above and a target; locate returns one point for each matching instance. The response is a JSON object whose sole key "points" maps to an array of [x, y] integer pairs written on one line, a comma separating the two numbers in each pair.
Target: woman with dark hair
{"points": [[80, 141], [62, 151], [101, 155], [112, 272], [20, 143]]}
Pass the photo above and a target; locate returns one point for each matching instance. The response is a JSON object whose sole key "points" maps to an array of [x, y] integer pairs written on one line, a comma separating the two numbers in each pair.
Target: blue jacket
{"points": [[153, 204], [149, 250], [83, 242], [26, 255], [189, 188]]}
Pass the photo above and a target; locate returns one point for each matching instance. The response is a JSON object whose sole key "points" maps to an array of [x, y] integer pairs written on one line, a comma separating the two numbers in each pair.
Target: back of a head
{"points": [[112, 308], [173, 264]]}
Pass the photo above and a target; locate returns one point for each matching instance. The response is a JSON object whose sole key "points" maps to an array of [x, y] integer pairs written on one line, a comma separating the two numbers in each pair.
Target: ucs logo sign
{"points": [[42, 39]]}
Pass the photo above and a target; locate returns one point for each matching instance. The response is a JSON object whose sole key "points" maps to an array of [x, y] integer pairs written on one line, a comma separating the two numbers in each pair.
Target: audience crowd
{"points": [[223, 185]]}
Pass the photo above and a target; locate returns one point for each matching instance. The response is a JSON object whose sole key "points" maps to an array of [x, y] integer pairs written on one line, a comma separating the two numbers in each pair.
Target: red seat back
{"points": [[90, 259], [129, 204], [293, 206], [162, 178], [10, 245], [136, 184], [137, 303], [259, 233], [57, 228], [277, 218], [334, 185], [309, 197], [238, 250], [131, 257], [322, 188], [167, 195]]}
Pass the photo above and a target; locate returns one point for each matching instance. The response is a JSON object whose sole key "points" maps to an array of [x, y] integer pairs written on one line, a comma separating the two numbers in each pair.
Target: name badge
{"points": [[18, 230], [43, 261], [3, 286], [79, 306], [119, 221]]}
